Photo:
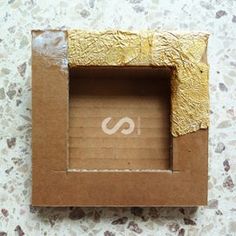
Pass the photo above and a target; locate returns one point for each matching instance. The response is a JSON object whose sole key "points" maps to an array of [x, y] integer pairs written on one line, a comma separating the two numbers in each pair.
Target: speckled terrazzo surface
{"points": [[17, 18]]}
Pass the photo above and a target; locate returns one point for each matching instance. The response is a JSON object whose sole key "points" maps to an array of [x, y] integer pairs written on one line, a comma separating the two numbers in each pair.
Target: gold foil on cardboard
{"points": [[185, 53]]}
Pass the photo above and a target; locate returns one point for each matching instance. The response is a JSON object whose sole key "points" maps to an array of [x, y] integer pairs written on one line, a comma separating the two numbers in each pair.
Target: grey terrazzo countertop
{"points": [[18, 17]]}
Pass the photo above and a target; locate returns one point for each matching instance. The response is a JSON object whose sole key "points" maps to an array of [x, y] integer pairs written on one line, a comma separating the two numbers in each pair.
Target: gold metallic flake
{"points": [[184, 52]]}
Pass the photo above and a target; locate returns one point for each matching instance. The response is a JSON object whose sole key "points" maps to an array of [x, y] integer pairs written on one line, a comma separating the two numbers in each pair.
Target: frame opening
{"points": [[119, 118]]}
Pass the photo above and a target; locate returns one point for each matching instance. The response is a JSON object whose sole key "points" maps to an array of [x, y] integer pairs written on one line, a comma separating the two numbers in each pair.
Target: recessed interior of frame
{"points": [[119, 118]]}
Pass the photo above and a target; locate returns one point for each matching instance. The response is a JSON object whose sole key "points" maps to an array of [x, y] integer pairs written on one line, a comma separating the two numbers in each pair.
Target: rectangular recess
{"points": [[141, 94]]}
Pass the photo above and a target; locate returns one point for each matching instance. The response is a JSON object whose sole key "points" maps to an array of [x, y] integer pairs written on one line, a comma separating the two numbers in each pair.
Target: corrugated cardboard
{"points": [[143, 95], [76, 164]]}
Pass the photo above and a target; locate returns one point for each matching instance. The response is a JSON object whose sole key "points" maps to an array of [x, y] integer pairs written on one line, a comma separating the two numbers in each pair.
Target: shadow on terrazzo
{"points": [[115, 215]]}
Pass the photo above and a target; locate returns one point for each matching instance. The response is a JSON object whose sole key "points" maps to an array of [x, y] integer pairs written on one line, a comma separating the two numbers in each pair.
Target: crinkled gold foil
{"points": [[184, 52]]}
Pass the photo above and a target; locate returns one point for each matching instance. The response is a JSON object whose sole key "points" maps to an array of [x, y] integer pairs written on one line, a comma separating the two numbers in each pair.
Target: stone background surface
{"points": [[17, 18]]}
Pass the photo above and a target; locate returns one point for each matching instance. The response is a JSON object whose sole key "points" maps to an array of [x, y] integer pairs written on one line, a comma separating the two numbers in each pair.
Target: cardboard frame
{"points": [[55, 185]]}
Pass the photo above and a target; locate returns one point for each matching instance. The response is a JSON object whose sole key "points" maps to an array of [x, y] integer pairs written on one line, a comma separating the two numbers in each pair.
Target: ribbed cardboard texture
{"points": [[139, 94], [77, 163]]}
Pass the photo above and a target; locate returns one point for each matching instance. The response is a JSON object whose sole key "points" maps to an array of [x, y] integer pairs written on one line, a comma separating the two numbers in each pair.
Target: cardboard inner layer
{"points": [[119, 118]]}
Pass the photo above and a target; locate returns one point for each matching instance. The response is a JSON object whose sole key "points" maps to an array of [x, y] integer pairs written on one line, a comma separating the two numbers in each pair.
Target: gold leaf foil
{"points": [[185, 53]]}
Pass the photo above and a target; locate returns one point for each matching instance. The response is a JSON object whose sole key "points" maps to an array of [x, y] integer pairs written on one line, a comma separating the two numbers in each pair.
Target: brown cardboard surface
{"points": [[140, 93], [49, 116], [54, 182], [143, 188]]}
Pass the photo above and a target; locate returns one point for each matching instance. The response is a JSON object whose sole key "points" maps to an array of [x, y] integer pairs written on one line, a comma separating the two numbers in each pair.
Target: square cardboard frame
{"points": [[55, 185]]}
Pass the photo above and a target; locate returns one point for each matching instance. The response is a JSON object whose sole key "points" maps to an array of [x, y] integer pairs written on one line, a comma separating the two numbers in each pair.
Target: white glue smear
{"points": [[53, 46]]}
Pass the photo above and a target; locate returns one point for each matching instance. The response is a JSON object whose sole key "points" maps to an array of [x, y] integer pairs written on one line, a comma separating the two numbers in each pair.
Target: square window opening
{"points": [[119, 118]]}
